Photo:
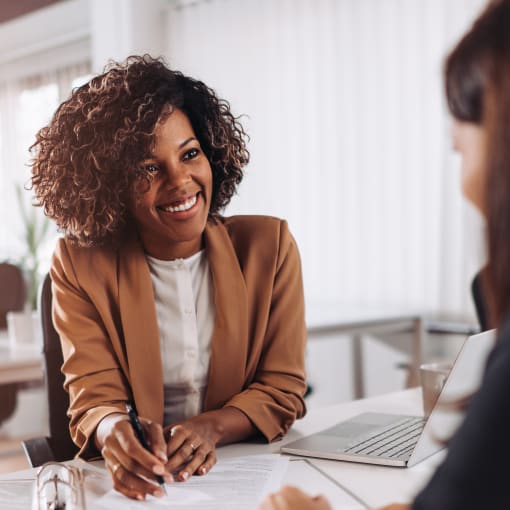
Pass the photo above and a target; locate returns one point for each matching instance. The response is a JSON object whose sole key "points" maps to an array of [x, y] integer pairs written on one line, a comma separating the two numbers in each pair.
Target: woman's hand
{"points": [[291, 498], [396, 506], [131, 466], [191, 446]]}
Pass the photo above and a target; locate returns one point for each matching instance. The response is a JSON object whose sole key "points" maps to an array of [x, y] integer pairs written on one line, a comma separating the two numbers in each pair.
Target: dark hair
{"points": [[87, 159], [477, 81]]}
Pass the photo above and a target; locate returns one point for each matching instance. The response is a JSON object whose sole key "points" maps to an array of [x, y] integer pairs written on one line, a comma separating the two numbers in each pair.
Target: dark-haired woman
{"points": [[196, 318], [474, 474]]}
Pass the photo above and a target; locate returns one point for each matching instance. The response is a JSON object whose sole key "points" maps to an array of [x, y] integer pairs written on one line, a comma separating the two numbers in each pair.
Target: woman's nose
{"points": [[177, 174]]}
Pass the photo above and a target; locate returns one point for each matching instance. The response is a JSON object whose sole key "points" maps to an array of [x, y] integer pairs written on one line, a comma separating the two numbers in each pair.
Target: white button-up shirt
{"points": [[184, 296]]}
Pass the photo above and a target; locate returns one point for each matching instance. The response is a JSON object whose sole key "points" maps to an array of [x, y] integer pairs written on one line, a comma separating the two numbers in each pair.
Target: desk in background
{"points": [[337, 318], [376, 485], [25, 364]]}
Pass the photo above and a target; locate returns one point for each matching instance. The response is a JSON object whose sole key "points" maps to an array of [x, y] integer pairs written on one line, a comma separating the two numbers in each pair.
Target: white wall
{"points": [[349, 137], [120, 28]]}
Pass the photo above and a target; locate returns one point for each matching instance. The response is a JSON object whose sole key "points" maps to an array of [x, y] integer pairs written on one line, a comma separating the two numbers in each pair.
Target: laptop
{"points": [[398, 440]]}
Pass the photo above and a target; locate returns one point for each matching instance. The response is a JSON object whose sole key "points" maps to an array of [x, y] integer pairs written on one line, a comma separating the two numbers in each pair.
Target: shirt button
{"points": [[191, 354]]}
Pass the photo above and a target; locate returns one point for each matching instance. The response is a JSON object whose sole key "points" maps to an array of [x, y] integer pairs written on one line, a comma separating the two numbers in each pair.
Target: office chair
{"points": [[479, 301], [58, 446], [12, 298]]}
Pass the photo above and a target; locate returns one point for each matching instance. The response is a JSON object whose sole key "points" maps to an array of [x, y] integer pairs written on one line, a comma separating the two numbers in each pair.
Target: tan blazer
{"points": [[104, 312]]}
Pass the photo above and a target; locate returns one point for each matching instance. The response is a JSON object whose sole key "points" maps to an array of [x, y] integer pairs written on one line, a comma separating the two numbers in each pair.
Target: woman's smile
{"points": [[182, 205]]}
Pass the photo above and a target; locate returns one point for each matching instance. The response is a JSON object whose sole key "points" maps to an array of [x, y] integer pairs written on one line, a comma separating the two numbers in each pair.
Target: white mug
{"points": [[433, 377], [22, 328]]}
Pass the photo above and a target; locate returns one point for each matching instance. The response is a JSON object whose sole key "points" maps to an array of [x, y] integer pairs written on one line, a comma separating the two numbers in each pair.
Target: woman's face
{"points": [[469, 142], [171, 215]]}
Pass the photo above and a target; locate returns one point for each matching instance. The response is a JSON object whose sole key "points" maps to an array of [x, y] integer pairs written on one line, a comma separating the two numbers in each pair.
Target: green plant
{"points": [[36, 228]]}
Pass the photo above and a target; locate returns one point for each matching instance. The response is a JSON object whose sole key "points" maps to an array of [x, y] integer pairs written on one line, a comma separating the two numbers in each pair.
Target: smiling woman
{"points": [[195, 318], [174, 217]]}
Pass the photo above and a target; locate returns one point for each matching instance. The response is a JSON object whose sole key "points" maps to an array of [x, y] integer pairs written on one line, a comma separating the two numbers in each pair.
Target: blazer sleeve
{"points": [[93, 377], [274, 398], [474, 473]]}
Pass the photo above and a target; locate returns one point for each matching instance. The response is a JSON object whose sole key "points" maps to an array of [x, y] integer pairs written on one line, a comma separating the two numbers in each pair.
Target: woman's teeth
{"points": [[188, 204]]}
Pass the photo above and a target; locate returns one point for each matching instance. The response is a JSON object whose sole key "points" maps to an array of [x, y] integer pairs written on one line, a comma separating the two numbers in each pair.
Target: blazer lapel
{"points": [[229, 342], [141, 334]]}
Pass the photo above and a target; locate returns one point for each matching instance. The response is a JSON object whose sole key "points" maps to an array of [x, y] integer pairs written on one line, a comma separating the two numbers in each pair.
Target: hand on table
{"points": [[291, 498], [185, 448], [191, 447], [131, 466]]}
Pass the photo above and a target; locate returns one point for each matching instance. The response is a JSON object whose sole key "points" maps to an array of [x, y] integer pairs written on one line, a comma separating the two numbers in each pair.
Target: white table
{"points": [[376, 485], [337, 318]]}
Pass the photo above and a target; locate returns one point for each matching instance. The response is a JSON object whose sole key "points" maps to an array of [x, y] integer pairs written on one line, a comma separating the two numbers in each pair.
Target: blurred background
{"points": [[343, 103]]}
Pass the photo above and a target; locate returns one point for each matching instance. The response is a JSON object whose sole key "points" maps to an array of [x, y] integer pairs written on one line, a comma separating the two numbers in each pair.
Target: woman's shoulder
{"points": [[84, 263], [93, 268], [501, 351], [503, 334], [267, 236], [254, 225], [68, 250]]}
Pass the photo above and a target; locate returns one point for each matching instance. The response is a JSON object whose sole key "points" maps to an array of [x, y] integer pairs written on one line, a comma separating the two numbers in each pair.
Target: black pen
{"points": [[140, 434]]}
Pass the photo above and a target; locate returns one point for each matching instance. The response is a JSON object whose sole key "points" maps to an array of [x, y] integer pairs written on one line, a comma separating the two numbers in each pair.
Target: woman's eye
{"points": [[192, 153], [151, 168]]}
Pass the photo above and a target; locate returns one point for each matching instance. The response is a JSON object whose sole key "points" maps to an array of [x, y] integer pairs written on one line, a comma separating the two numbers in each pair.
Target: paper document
{"points": [[237, 484]]}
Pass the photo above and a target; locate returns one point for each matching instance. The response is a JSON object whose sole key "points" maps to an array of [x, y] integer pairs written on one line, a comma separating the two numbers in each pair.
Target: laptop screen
{"points": [[464, 380]]}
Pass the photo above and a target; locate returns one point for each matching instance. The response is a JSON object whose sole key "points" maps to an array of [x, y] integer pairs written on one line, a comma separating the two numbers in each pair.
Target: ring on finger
{"points": [[193, 447], [115, 468]]}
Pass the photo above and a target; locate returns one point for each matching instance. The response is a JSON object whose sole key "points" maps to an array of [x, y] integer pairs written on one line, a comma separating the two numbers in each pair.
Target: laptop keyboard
{"points": [[398, 440]]}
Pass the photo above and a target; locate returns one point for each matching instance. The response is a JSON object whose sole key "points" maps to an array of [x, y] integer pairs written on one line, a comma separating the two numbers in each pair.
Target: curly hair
{"points": [[86, 160]]}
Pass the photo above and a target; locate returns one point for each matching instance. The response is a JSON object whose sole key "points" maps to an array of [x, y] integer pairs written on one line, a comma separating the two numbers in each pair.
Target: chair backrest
{"points": [[479, 301], [58, 399], [12, 291]]}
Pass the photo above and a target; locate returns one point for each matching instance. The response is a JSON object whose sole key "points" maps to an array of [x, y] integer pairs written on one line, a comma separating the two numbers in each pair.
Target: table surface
{"points": [[375, 485]]}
